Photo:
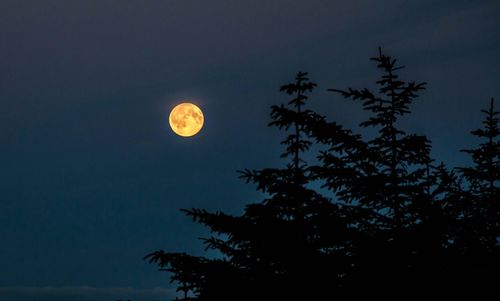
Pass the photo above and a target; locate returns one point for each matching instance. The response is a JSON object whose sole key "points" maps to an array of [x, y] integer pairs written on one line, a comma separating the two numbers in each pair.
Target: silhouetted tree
{"points": [[477, 210], [294, 238], [392, 220], [483, 178], [395, 164], [392, 176]]}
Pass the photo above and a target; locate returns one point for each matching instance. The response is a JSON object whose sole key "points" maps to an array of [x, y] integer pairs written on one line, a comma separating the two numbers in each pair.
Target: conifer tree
{"points": [[391, 175], [480, 215], [398, 161], [474, 203], [393, 221], [294, 238]]}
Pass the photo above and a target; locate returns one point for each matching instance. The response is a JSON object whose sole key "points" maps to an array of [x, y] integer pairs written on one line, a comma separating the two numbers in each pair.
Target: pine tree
{"points": [[294, 238], [391, 175], [484, 180], [391, 155], [393, 220], [479, 212]]}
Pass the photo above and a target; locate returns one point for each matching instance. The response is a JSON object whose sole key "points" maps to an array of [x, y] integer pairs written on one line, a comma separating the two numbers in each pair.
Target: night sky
{"points": [[91, 176]]}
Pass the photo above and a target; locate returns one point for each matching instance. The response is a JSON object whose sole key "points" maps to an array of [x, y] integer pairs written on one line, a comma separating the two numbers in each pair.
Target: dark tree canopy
{"points": [[369, 215], [484, 180], [477, 231]]}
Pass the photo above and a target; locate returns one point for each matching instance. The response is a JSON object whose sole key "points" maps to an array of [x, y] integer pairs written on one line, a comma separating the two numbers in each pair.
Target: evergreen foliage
{"points": [[386, 219]]}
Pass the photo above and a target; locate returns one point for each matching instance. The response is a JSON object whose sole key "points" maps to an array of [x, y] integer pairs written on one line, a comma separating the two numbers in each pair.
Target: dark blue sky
{"points": [[91, 177]]}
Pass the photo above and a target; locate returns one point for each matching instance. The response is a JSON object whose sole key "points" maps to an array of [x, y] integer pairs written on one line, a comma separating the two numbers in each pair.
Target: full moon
{"points": [[186, 119]]}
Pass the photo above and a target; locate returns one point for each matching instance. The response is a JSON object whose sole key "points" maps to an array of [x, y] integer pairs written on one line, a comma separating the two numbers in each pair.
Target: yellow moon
{"points": [[186, 119]]}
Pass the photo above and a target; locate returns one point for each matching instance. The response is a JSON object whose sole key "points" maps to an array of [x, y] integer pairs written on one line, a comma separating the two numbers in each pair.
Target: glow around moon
{"points": [[186, 119]]}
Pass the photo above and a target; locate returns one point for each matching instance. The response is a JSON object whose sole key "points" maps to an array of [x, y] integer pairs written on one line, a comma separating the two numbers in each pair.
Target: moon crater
{"points": [[186, 119]]}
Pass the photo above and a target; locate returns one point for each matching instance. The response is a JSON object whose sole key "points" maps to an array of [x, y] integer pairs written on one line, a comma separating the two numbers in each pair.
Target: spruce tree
{"points": [[393, 177], [477, 231], [295, 238], [484, 180], [393, 220], [397, 162]]}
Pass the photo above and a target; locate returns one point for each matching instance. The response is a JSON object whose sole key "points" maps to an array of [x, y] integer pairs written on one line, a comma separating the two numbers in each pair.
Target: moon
{"points": [[186, 119]]}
